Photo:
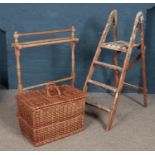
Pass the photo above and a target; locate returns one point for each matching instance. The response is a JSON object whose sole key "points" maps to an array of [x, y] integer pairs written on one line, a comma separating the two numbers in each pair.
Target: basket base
{"points": [[51, 132]]}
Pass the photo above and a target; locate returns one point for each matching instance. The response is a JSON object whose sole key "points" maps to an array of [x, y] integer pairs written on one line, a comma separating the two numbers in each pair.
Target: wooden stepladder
{"points": [[119, 72]]}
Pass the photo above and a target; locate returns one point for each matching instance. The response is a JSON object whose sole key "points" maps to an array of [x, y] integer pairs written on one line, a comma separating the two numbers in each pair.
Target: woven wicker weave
{"points": [[51, 132], [47, 115]]}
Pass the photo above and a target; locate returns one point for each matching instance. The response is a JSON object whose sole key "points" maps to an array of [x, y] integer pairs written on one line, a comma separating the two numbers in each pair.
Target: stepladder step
{"points": [[108, 65], [102, 85], [119, 45]]}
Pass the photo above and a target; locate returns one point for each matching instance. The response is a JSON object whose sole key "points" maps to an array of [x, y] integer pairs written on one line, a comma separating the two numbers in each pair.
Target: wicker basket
{"points": [[50, 113]]}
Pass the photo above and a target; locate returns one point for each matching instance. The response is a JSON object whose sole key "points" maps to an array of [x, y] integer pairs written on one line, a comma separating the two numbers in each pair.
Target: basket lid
{"points": [[38, 98]]}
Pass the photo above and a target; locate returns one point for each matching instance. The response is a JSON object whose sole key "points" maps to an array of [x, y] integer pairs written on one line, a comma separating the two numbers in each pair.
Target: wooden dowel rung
{"points": [[101, 107], [99, 84], [108, 65], [45, 32], [133, 86], [46, 43], [43, 84], [45, 40]]}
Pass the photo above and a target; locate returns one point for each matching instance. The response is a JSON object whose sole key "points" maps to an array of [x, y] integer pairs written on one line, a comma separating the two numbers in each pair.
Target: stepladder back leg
{"points": [[143, 65], [144, 77], [116, 72]]}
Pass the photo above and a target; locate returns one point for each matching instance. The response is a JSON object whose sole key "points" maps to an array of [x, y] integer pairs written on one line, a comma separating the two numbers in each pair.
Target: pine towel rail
{"points": [[20, 45]]}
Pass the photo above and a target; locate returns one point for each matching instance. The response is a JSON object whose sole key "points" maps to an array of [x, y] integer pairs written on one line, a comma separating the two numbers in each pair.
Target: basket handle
{"points": [[51, 86]]}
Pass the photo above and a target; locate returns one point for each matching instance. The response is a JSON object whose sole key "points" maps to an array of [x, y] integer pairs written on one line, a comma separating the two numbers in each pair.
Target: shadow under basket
{"points": [[46, 115]]}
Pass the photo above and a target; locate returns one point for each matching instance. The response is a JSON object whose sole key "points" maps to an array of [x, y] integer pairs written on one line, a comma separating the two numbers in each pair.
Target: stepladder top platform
{"points": [[119, 45]]}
